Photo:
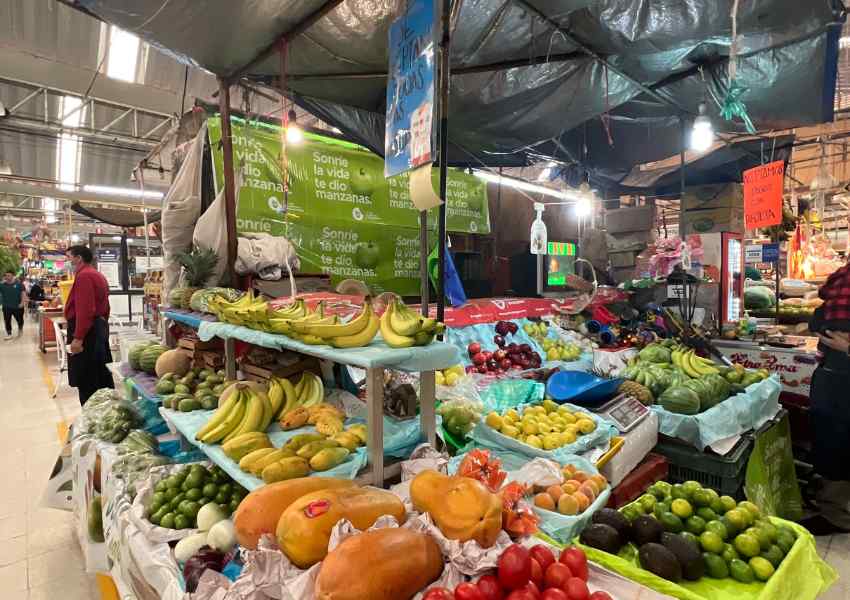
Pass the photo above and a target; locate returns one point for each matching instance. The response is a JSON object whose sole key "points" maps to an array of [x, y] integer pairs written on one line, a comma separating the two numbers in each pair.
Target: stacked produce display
{"points": [[197, 389], [545, 426], [196, 497]]}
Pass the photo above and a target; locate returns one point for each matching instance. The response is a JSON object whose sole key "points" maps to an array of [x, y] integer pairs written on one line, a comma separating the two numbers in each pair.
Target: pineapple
{"points": [[641, 392], [198, 266]]}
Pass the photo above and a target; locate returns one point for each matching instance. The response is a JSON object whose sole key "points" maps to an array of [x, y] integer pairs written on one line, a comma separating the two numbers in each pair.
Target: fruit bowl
{"points": [[581, 388]]}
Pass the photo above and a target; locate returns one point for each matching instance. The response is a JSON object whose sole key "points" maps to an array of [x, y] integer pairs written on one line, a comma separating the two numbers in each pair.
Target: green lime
{"points": [[747, 545], [190, 509], [730, 529], [630, 512], [225, 488], [167, 521], [225, 507], [789, 530], [177, 500], [171, 493], [711, 542], [691, 487], [738, 518], [719, 528], [784, 541], [714, 495], [182, 522], [195, 494], [174, 482], [695, 525], [769, 529], [761, 567], [761, 535], [159, 497], [198, 468], [774, 555], [706, 514], [728, 503], [647, 502], [671, 523], [661, 508], [234, 504], [701, 498], [741, 571], [715, 566], [750, 508], [660, 489], [717, 506], [157, 516], [161, 486], [221, 497], [155, 505], [729, 553], [186, 485], [678, 492], [692, 539], [681, 508], [638, 508], [210, 490]]}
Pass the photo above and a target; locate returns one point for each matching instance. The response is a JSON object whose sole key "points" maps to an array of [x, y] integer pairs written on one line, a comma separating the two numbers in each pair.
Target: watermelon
{"points": [[135, 355], [147, 361], [680, 399], [759, 297]]}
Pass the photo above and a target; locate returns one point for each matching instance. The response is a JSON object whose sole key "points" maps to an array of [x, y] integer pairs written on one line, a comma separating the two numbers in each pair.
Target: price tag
{"points": [[675, 291]]}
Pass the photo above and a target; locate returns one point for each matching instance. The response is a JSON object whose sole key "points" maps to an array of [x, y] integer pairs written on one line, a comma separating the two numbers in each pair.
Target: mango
{"points": [[302, 439], [287, 468], [328, 458], [310, 450]]}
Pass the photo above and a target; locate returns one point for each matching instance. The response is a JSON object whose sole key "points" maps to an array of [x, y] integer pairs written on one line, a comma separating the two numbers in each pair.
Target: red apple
{"points": [[522, 594], [556, 576], [525, 348], [438, 593], [499, 340], [533, 589], [576, 589], [479, 358], [554, 594], [505, 364], [514, 567], [468, 591], [600, 595], [487, 354], [474, 348], [500, 354], [575, 559], [482, 369], [492, 364], [490, 588], [536, 572], [543, 555], [470, 369], [512, 347]]}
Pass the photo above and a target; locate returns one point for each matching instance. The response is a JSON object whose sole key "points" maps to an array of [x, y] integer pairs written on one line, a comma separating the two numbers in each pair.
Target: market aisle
{"points": [[39, 554]]}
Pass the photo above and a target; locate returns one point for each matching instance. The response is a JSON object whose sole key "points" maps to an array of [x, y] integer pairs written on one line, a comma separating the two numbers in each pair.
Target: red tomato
{"points": [[522, 595], [576, 589], [489, 587], [556, 576], [533, 589], [438, 593], [575, 559], [543, 555], [468, 591], [514, 567], [554, 594], [536, 573], [600, 595]]}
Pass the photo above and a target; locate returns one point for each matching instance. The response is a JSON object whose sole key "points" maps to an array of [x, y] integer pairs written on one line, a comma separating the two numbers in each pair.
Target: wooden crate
{"points": [[263, 374], [195, 344]]}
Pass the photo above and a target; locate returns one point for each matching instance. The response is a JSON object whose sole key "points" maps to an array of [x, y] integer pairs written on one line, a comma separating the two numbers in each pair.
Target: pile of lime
{"points": [[178, 498], [734, 538]]}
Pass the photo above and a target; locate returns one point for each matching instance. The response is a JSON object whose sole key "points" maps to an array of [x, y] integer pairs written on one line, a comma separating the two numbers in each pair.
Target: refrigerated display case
{"points": [[732, 277]]}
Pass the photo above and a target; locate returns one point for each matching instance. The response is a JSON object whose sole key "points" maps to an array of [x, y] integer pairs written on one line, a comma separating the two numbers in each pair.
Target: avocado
{"points": [[693, 567], [658, 560], [646, 530], [715, 566], [615, 519], [602, 537]]}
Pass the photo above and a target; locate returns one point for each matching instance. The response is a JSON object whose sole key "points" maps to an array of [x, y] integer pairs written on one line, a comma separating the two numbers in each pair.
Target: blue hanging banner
{"points": [[410, 140]]}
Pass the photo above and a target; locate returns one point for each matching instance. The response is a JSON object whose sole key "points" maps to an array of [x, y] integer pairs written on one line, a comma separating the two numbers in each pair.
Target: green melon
{"points": [[175, 297], [680, 399], [135, 355], [149, 356]]}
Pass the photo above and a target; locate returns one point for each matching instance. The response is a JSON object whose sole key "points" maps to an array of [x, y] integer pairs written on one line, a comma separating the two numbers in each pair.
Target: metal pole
{"points": [[424, 292], [229, 179], [445, 76], [682, 177]]}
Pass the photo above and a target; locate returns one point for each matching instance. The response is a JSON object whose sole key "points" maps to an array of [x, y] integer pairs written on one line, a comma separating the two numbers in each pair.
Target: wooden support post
{"points": [[229, 180], [427, 401], [375, 423]]}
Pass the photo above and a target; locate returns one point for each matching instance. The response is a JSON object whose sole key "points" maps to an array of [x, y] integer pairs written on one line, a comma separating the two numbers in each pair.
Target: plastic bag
{"points": [[211, 231], [109, 418], [264, 255]]}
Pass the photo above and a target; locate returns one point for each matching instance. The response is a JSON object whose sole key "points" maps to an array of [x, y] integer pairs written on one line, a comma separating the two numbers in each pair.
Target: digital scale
{"points": [[625, 411]]}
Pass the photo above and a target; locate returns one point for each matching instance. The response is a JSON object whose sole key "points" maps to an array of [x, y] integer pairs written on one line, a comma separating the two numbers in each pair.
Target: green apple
{"points": [[362, 181], [367, 254]]}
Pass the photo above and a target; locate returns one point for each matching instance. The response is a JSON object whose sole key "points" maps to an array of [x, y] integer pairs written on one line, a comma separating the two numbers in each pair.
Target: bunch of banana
{"points": [[249, 311], [403, 328], [244, 407], [309, 391], [695, 366]]}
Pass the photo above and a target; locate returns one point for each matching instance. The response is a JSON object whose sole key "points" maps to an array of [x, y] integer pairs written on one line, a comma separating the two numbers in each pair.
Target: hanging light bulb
{"points": [[702, 134], [584, 205], [294, 135]]}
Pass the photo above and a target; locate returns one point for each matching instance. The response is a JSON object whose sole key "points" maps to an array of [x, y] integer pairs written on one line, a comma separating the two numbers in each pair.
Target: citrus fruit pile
{"points": [[545, 426]]}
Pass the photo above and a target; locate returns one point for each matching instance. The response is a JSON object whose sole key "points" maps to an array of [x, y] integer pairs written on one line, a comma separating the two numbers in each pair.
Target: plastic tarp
{"points": [[530, 79], [747, 410]]}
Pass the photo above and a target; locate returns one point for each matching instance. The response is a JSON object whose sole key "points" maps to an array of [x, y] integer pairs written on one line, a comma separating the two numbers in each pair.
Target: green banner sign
{"points": [[344, 217]]}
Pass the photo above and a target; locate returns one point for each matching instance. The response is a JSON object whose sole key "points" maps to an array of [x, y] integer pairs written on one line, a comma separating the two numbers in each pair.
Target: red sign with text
{"points": [[763, 195]]}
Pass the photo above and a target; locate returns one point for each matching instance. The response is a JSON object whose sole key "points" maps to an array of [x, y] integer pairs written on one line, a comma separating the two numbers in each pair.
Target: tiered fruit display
{"points": [[199, 389], [686, 531], [178, 498], [528, 574], [449, 377], [403, 328], [545, 426], [681, 381], [244, 407], [575, 495], [292, 401], [198, 266], [143, 356], [508, 357]]}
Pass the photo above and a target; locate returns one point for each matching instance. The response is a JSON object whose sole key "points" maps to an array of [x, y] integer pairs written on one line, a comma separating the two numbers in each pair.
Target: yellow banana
{"points": [[314, 391], [219, 416], [290, 397], [391, 337], [362, 337], [230, 424], [299, 387], [253, 418], [702, 368], [276, 396], [676, 357], [429, 325], [306, 338], [688, 366], [403, 322], [250, 459], [305, 327], [353, 327], [423, 338]]}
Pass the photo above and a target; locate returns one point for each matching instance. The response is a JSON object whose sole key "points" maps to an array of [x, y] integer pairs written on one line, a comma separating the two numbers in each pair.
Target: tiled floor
{"points": [[40, 557]]}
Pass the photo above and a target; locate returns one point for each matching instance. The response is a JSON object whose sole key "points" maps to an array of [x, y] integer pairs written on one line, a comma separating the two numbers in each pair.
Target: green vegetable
{"points": [[682, 400], [655, 353], [759, 297]]}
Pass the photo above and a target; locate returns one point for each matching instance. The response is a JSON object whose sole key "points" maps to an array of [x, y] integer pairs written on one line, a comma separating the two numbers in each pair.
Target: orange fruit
{"points": [[601, 482], [588, 490], [568, 471], [571, 486], [568, 505], [545, 501], [581, 476], [592, 484], [583, 501], [555, 491]]}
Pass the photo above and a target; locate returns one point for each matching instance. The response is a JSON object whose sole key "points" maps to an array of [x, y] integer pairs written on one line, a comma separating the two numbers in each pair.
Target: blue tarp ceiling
{"points": [[531, 79]]}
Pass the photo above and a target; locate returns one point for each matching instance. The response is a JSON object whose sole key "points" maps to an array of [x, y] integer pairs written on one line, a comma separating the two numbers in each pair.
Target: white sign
{"points": [[752, 254], [110, 271], [141, 263], [675, 291]]}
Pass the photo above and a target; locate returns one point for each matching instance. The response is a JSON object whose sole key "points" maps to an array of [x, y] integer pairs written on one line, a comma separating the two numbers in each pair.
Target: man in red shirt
{"points": [[87, 311]]}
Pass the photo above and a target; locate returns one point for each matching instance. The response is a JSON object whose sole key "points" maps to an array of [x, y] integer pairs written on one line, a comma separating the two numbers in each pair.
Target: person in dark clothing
{"points": [[14, 299], [36, 292], [523, 267], [830, 412], [87, 311]]}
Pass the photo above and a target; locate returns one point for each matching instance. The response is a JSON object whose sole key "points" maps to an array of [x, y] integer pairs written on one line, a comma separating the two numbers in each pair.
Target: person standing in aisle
{"points": [[830, 412], [14, 298], [87, 311]]}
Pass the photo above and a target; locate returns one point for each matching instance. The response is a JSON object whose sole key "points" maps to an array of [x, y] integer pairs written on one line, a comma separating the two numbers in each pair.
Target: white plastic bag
{"points": [[267, 256], [211, 229]]}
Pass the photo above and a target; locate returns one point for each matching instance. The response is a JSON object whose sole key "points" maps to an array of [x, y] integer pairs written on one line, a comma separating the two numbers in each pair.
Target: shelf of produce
{"points": [[190, 318]]}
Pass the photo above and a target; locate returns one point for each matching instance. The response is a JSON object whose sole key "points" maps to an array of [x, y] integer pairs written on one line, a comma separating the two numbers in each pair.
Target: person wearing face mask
{"points": [[87, 311], [14, 299]]}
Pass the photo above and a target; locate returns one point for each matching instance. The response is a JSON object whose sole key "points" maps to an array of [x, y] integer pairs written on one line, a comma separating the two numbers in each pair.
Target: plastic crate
{"points": [[725, 474], [653, 468]]}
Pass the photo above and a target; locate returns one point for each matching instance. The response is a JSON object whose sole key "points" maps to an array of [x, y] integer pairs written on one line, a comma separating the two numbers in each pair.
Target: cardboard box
{"points": [[713, 220], [721, 195], [624, 220]]}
